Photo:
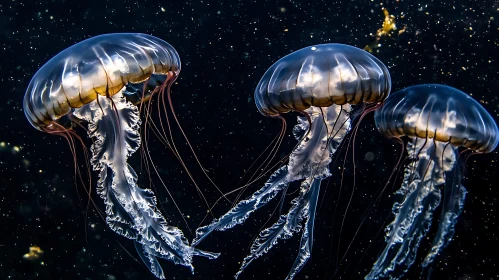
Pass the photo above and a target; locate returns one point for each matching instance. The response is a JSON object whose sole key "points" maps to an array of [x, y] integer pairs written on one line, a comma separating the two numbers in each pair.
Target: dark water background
{"points": [[225, 47]]}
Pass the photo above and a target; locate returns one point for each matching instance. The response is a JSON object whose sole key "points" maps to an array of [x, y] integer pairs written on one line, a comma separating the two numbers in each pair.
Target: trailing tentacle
{"points": [[284, 227], [131, 211], [307, 238], [421, 195], [237, 215], [452, 206]]}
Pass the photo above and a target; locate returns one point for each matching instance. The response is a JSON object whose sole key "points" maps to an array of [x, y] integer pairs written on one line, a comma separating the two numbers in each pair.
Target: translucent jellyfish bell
{"points": [[322, 82], [101, 65], [321, 76], [98, 81], [438, 120], [441, 113]]}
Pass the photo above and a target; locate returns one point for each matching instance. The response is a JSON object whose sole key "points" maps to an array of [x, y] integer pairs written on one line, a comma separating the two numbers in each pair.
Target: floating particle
{"points": [[402, 30]]}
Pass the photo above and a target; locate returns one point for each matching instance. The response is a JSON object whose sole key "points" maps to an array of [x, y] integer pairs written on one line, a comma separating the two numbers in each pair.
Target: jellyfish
{"points": [[97, 81], [328, 84], [437, 120]]}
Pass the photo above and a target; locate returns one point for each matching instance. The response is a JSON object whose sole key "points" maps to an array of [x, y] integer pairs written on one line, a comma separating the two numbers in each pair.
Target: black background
{"points": [[225, 47]]}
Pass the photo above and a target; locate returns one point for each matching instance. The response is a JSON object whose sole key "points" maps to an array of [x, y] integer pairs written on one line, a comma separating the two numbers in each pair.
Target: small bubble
{"points": [[369, 156]]}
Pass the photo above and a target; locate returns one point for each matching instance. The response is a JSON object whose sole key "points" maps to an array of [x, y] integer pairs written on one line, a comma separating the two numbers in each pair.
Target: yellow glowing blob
{"points": [[34, 253], [388, 25]]}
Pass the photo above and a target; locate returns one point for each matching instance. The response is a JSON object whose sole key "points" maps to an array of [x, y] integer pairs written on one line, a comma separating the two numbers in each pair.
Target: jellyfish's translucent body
{"points": [[89, 81], [437, 120], [321, 81]]}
